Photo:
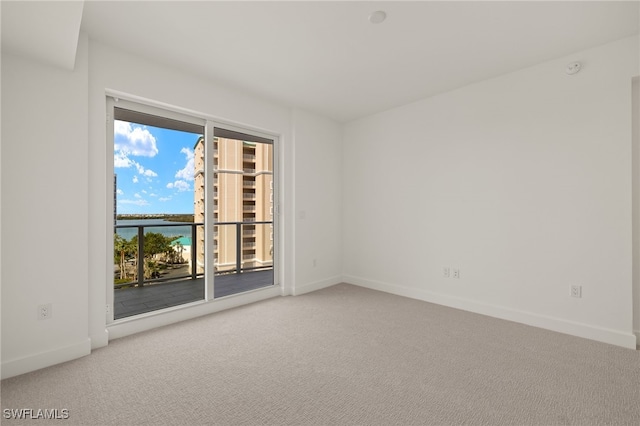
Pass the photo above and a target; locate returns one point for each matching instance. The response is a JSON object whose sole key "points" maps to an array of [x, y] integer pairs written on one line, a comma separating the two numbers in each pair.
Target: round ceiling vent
{"points": [[377, 17]]}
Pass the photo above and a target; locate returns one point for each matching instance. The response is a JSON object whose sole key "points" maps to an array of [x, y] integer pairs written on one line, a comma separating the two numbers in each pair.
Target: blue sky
{"points": [[154, 168]]}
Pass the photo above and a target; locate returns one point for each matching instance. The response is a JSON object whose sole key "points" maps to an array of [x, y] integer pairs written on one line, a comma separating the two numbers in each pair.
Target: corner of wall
{"points": [[317, 285]]}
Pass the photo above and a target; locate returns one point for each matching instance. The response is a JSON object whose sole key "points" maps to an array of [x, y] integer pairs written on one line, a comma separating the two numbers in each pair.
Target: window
{"points": [[184, 229]]}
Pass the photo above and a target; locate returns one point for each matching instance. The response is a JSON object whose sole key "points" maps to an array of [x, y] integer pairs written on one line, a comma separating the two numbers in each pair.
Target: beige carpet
{"points": [[343, 355]]}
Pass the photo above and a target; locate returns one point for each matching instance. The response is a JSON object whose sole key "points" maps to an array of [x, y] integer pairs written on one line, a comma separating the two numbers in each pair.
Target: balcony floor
{"points": [[136, 300]]}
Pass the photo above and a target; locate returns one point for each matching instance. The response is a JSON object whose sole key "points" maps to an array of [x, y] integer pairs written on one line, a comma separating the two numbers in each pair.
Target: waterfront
{"points": [[181, 229]]}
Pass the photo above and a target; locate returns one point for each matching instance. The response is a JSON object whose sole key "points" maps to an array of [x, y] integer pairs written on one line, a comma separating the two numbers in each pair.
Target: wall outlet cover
{"points": [[576, 291], [45, 311]]}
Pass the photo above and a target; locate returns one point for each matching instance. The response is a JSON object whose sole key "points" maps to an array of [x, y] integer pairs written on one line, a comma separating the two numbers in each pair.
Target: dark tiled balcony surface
{"points": [[133, 301]]}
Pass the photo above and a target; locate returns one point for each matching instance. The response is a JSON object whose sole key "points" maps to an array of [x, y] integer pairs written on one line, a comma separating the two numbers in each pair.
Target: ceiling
{"points": [[44, 30], [328, 58]]}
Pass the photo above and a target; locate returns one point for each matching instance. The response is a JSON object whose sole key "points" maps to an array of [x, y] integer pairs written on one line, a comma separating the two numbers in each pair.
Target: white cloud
{"points": [[136, 202], [143, 171], [137, 195], [153, 195], [164, 199], [119, 191], [186, 173], [180, 185], [135, 179], [121, 160], [134, 139]]}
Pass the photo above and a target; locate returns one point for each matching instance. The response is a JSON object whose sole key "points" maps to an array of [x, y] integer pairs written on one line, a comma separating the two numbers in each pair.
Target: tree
{"points": [[154, 243], [122, 248], [175, 255]]}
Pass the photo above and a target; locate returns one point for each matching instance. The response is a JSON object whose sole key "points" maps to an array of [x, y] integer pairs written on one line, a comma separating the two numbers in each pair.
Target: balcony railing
{"points": [[196, 253], [240, 233], [139, 258]]}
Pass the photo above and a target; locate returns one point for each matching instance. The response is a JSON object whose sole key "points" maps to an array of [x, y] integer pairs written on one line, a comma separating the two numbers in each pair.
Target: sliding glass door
{"points": [[193, 209]]}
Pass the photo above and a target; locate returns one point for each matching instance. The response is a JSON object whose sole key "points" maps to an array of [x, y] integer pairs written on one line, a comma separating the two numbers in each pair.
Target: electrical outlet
{"points": [[45, 311], [576, 291], [446, 272], [456, 273]]}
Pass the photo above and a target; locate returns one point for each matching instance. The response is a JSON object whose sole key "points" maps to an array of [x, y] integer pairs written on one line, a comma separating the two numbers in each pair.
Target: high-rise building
{"points": [[242, 199]]}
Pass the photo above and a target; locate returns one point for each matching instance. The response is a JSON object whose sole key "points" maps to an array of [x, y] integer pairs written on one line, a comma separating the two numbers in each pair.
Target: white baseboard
{"points": [[318, 285], [614, 337], [637, 333], [30, 363]]}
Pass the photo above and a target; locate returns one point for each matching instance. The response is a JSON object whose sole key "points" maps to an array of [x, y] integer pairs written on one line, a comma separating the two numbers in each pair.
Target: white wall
{"points": [[44, 216], [318, 207], [523, 182], [636, 205]]}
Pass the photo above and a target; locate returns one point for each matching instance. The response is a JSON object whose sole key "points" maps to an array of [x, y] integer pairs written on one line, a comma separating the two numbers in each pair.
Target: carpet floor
{"points": [[344, 355]]}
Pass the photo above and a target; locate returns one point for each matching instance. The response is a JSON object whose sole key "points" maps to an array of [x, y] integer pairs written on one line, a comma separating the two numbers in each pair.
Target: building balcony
{"points": [[156, 281], [134, 301]]}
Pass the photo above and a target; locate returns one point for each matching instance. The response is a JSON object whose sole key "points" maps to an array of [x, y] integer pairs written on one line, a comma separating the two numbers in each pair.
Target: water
{"points": [[167, 231]]}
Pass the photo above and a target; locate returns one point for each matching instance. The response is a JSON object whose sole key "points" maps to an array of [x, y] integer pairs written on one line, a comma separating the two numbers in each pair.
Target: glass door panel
{"points": [[155, 237], [243, 213]]}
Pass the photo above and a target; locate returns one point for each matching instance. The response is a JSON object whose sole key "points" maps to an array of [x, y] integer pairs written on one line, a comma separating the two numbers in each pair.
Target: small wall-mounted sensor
{"points": [[573, 68]]}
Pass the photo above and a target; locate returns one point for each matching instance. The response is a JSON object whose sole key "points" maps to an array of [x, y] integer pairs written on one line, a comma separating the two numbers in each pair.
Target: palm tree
{"points": [[120, 248]]}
